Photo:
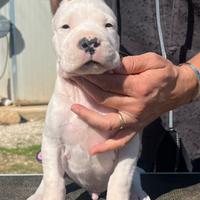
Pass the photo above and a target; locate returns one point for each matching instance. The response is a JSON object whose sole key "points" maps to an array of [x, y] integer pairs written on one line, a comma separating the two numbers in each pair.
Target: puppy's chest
{"points": [[67, 125], [77, 132]]}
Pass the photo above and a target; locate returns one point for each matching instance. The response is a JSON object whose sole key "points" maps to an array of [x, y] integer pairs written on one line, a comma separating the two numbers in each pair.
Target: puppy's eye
{"points": [[65, 26], [108, 25]]}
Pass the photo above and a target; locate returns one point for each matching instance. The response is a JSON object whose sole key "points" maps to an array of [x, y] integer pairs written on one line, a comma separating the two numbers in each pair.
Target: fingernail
{"points": [[75, 108]]}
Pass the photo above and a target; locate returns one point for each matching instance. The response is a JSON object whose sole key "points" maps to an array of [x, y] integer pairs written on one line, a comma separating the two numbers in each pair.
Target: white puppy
{"points": [[86, 42]]}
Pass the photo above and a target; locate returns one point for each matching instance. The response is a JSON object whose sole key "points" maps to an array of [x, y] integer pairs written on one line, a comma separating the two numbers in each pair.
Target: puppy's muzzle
{"points": [[89, 45]]}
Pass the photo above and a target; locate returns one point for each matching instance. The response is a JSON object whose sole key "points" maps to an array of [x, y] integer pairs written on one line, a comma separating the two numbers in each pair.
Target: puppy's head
{"points": [[85, 38]]}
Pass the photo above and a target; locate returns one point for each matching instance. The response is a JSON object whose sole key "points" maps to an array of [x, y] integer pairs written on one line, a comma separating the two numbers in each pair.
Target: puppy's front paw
{"points": [[94, 196], [146, 198], [140, 197], [35, 197], [143, 197]]}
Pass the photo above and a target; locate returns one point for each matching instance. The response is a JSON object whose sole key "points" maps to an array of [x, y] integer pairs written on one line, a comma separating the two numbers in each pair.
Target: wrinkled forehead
{"points": [[76, 11]]}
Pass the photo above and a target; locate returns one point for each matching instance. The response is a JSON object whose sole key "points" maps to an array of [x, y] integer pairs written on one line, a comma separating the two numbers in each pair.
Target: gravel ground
{"points": [[21, 135]]}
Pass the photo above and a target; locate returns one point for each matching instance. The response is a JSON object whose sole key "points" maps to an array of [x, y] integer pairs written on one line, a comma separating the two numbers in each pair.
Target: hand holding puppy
{"points": [[142, 89]]}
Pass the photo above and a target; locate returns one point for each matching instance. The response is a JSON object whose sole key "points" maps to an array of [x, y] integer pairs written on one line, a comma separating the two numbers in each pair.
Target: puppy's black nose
{"points": [[89, 45]]}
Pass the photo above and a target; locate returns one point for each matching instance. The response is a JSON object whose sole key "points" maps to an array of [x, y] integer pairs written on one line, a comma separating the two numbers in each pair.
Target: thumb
{"points": [[141, 63]]}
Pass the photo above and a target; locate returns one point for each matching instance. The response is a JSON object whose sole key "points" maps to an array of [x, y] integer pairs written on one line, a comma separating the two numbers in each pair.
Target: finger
{"points": [[102, 97], [119, 141], [107, 122], [141, 63], [115, 83]]}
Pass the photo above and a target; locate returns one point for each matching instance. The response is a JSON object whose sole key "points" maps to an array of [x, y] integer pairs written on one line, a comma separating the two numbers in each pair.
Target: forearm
{"points": [[54, 5], [188, 84]]}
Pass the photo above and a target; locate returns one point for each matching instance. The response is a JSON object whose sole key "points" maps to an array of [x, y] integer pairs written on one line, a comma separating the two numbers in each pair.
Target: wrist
{"points": [[196, 71], [188, 84]]}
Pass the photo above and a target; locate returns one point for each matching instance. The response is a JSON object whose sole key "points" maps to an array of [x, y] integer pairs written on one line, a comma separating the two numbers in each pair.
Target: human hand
{"points": [[145, 87]]}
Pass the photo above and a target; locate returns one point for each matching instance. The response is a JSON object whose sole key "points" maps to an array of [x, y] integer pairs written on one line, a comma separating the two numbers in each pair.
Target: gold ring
{"points": [[122, 121]]}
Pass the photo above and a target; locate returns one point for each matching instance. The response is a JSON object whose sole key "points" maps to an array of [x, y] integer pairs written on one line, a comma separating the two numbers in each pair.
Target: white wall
{"points": [[35, 60]]}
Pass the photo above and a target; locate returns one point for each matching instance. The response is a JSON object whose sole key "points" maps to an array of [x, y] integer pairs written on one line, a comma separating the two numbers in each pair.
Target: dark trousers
{"points": [[160, 152]]}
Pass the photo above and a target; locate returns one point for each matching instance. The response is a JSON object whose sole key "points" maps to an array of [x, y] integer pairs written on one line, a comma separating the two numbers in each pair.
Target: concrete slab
{"points": [[19, 187]]}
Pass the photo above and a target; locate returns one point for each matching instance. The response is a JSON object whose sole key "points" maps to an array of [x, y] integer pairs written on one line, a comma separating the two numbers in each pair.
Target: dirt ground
{"points": [[19, 144], [18, 164]]}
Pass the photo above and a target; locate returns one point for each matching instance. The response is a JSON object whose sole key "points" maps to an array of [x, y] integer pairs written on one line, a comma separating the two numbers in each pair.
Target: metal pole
{"points": [[13, 70]]}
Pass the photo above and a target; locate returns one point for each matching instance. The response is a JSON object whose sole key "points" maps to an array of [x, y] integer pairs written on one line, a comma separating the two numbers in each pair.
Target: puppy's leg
{"points": [[52, 186], [54, 183], [120, 182]]}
